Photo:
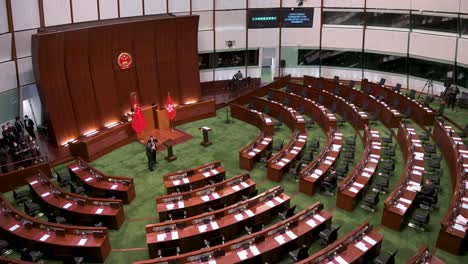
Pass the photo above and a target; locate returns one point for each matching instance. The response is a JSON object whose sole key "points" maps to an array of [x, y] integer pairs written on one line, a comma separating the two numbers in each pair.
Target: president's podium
{"points": [[170, 155]]}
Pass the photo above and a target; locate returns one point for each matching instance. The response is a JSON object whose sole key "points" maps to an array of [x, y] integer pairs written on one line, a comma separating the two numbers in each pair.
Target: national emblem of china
{"points": [[125, 60]]}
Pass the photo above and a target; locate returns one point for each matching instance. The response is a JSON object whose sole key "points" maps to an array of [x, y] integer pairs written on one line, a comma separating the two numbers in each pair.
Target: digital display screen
{"points": [[297, 17], [263, 18], [277, 17]]}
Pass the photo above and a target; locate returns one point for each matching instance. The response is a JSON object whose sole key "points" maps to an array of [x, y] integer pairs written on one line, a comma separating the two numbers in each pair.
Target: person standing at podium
{"points": [[149, 154]]}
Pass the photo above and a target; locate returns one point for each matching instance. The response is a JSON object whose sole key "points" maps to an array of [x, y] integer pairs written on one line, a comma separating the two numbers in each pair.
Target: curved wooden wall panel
{"points": [[81, 84]]}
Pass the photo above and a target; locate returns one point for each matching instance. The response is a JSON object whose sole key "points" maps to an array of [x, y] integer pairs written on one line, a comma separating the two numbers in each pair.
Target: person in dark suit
{"points": [[5, 133], [4, 157], [149, 155], [155, 148], [19, 125], [29, 125], [428, 190]]}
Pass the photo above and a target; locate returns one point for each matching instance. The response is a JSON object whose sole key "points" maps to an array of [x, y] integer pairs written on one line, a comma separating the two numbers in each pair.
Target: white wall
{"points": [[390, 4], [205, 41], [108, 9], [84, 10], [307, 3], [155, 7], [25, 14], [179, 6], [436, 5], [375, 41], [342, 38], [7, 76], [264, 37], [200, 5], [432, 46], [345, 74], [264, 3], [206, 20], [343, 3], [462, 55], [25, 71], [130, 8], [56, 12], [5, 48], [3, 17], [230, 4]]}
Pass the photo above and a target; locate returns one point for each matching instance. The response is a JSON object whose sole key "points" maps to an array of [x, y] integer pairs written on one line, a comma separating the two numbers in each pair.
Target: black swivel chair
{"points": [[287, 213], [167, 252], [370, 201], [218, 240], [33, 209], [295, 171], [184, 188], [254, 228], [279, 146], [178, 214], [328, 235], [21, 196], [426, 135], [299, 254], [75, 188], [411, 94], [4, 248], [419, 219], [29, 255], [216, 207], [63, 179], [351, 141], [328, 185], [385, 258], [390, 151]]}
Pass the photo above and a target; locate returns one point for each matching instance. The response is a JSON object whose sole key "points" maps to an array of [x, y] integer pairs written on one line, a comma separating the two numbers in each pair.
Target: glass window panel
{"points": [[230, 59], [462, 76], [8, 105], [252, 57], [436, 71], [205, 61], [339, 58], [435, 23], [464, 26], [385, 63], [394, 20], [308, 57], [343, 18]]}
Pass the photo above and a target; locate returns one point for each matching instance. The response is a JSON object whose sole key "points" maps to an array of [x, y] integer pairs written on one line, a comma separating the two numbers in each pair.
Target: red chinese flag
{"points": [[170, 108], [139, 121]]}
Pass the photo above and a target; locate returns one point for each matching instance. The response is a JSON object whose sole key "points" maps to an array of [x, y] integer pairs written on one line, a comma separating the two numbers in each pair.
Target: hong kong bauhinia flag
{"points": [[170, 108], [138, 122]]}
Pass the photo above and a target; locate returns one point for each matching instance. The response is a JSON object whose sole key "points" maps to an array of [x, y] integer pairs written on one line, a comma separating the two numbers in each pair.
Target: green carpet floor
{"points": [[129, 243]]}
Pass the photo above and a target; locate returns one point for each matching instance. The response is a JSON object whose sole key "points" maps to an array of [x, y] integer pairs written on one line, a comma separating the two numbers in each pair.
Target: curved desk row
{"points": [[367, 102], [283, 113], [76, 208], [188, 234], [282, 160], [101, 185], [422, 115], [266, 245], [4, 260], [314, 172], [306, 106], [361, 245], [54, 240], [400, 202], [214, 172], [198, 201], [333, 102], [424, 256], [453, 227], [253, 117], [254, 150], [353, 187]]}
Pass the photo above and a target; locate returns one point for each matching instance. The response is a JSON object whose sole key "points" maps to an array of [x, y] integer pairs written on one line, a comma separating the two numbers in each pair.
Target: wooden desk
{"points": [[422, 115], [282, 160], [200, 177], [229, 222], [353, 187], [361, 245], [53, 240], [198, 201], [400, 203], [390, 117], [453, 235], [304, 230], [76, 208], [320, 114], [251, 153], [283, 113], [349, 111], [101, 185], [108, 139], [311, 176], [253, 117], [423, 255], [4, 260]]}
